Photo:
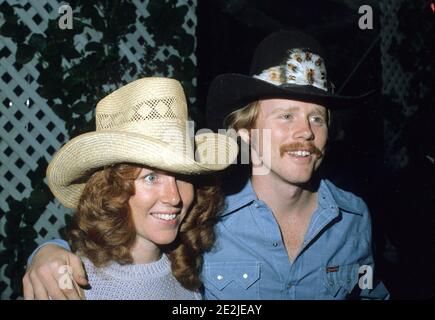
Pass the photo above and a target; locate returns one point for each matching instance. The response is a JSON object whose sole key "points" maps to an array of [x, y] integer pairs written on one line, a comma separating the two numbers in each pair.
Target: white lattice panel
{"points": [[29, 129]]}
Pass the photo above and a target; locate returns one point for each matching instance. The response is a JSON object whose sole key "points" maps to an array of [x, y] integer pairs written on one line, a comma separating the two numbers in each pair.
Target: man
{"points": [[287, 234]]}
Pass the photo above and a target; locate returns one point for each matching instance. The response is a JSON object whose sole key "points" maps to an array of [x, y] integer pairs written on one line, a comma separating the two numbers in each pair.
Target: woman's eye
{"points": [[150, 178]]}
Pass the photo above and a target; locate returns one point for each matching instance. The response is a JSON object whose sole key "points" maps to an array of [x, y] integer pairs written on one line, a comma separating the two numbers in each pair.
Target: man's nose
{"points": [[170, 192], [303, 130]]}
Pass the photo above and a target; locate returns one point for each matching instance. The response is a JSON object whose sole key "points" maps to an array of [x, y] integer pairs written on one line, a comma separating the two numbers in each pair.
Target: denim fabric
{"points": [[249, 259]]}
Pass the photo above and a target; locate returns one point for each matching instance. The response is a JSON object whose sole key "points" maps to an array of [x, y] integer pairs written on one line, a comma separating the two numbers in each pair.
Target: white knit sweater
{"points": [[151, 281]]}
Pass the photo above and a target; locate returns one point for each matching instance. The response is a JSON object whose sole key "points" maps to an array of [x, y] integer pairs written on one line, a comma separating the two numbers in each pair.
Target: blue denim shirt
{"points": [[249, 259]]}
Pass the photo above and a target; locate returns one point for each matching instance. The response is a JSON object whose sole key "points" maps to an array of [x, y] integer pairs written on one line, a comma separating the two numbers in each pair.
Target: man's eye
{"points": [[318, 119], [287, 116]]}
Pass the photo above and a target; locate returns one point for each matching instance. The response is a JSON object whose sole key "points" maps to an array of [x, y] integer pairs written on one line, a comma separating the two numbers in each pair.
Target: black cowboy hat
{"points": [[287, 65]]}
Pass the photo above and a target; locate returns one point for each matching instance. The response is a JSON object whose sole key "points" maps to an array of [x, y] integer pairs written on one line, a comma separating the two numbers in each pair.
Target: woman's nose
{"points": [[170, 192]]}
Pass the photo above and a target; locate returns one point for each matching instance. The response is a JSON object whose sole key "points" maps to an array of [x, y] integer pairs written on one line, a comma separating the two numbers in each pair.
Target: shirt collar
{"points": [[331, 197], [240, 199]]}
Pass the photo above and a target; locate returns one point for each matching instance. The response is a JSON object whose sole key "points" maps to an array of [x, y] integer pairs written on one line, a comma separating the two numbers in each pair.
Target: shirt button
{"points": [[289, 285], [245, 276], [256, 205], [219, 277], [275, 244]]}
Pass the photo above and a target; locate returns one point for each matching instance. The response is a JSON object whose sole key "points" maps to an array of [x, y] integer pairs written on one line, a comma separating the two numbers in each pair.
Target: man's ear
{"points": [[244, 134]]}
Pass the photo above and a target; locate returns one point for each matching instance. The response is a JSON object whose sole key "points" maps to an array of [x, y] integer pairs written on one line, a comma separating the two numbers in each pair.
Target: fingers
{"points": [[71, 294], [27, 288], [51, 281], [59, 282], [46, 277], [38, 288], [79, 273], [54, 274], [53, 289]]}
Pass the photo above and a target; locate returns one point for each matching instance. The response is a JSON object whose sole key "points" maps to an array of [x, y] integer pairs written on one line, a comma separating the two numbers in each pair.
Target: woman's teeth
{"points": [[164, 216]]}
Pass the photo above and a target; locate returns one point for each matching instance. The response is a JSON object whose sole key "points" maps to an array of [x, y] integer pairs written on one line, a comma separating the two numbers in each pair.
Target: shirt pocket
{"points": [[340, 281], [232, 280]]}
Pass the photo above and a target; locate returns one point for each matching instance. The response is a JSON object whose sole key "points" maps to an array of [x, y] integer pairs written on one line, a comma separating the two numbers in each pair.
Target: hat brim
{"points": [[72, 165], [229, 92]]}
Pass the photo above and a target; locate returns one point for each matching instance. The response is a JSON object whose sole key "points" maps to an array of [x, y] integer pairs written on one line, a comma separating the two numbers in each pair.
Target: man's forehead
{"points": [[276, 105]]}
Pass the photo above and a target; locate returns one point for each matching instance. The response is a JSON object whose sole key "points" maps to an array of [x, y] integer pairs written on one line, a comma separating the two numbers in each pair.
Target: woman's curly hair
{"points": [[197, 233], [103, 230]]}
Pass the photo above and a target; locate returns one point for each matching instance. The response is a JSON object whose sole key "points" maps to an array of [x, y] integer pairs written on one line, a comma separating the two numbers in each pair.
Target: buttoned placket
{"points": [[325, 213], [272, 236]]}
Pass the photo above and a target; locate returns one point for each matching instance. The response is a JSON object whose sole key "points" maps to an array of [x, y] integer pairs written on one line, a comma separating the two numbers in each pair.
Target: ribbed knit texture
{"points": [[151, 281]]}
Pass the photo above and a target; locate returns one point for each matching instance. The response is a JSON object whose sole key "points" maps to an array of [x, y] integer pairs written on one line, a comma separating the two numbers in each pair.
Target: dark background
{"points": [[400, 196]]}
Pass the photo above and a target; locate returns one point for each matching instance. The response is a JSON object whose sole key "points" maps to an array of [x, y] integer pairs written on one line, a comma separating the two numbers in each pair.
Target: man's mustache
{"points": [[298, 146]]}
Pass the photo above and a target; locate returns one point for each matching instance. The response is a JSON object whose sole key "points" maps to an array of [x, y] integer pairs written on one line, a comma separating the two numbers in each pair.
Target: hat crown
{"points": [[154, 107], [291, 58], [273, 50], [145, 100]]}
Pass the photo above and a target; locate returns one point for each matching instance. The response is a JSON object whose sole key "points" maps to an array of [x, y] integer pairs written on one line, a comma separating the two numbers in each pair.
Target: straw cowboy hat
{"points": [[145, 122], [287, 65]]}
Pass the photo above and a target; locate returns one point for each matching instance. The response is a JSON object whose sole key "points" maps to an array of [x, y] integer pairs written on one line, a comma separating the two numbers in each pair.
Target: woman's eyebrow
{"points": [[145, 172]]}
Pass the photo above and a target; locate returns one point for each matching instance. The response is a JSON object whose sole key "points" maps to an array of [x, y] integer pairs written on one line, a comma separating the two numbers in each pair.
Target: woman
{"points": [[131, 182]]}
